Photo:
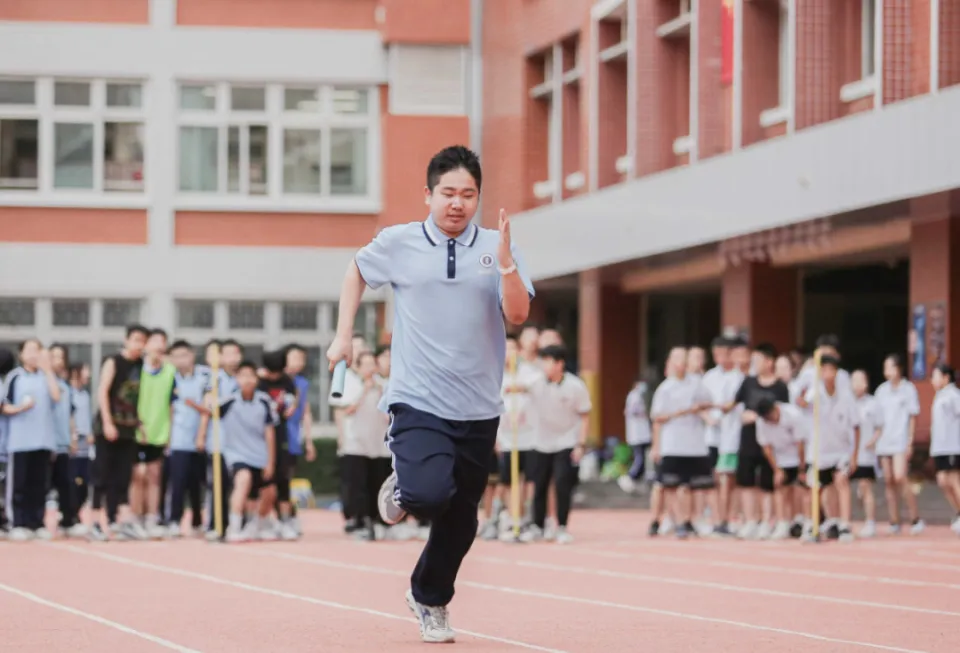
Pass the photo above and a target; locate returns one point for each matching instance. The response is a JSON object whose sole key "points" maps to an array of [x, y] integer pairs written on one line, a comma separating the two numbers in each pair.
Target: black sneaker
{"points": [[654, 529]]}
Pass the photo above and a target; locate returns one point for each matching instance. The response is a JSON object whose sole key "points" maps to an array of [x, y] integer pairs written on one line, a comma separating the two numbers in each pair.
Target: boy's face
{"points": [[383, 364], [783, 368], [58, 359], [230, 356], [453, 201], [135, 343], [677, 361], [85, 375], [359, 346], [858, 381], [182, 358], [695, 360], [552, 367], [30, 354], [156, 345], [528, 339], [938, 380], [247, 379], [721, 355], [890, 370], [367, 366], [296, 361], [764, 363], [829, 374], [741, 357]]}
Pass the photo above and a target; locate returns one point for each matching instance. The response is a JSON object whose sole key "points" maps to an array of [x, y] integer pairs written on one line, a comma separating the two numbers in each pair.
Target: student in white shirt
{"points": [[723, 428], [945, 437], [865, 474], [638, 434], [900, 404], [680, 445], [837, 446], [780, 432], [562, 403]]}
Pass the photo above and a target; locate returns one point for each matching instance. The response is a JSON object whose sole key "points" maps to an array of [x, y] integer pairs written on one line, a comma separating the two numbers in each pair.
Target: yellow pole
{"points": [[815, 484], [214, 355], [516, 511]]}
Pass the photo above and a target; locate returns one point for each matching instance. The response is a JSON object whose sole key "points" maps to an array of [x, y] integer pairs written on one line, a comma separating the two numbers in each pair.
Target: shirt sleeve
{"points": [[741, 396], [763, 432], [914, 406], [521, 270], [658, 406], [225, 404], [9, 395], [584, 405], [376, 259], [272, 415]]}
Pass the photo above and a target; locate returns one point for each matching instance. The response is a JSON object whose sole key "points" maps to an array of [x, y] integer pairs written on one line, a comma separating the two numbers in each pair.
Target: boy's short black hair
{"points": [[180, 344], [736, 342], [213, 341], [720, 342], [7, 362], [230, 342], [362, 355], [554, 352], [137, 328], [947, 371], [765, 406], [23, 344], [275, 361], [832, 361], [828, 340], [247, 364], [453, 158], [158, 332], [766, 350], [382, 349], [75, 369], [293, 346]]}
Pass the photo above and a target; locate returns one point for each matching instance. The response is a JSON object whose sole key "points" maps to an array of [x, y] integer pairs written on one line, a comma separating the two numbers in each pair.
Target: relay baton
{"points": [[339, 378]]}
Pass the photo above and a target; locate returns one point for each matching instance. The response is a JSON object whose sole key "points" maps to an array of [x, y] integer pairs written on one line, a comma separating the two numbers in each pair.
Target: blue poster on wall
{"points": [[918, 343]]}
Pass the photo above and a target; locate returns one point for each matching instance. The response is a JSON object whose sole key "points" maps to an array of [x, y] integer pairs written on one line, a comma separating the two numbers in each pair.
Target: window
{"points": [[428, 80], [120, 312], [71, 312], [228, 147], [17, 312], [195, 314], [96, 129], [245, 315], [868, 34], [299, 316], [783, 54]]}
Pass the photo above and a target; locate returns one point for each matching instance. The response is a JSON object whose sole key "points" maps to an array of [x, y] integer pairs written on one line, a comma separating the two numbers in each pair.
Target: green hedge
{"points": [[324, 472]]}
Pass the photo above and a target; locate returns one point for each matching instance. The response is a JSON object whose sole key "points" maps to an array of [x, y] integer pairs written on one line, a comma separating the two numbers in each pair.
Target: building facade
{"points": [[210, 166], [779, 168]]}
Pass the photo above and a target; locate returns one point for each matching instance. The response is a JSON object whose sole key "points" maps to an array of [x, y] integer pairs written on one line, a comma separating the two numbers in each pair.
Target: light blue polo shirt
{"points": [[226, 386], [244, 428], [186, 420], [62, 411], [449, 339], [82, 420], [33, 429]]}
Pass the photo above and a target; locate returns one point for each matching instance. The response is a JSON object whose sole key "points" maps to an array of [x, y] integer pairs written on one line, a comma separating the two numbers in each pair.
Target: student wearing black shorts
{"points": [[275, 493], [754, 475]]}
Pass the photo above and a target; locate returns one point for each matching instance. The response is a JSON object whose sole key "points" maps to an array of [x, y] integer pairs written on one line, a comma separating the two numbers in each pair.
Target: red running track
{"points": [[613, 590]]}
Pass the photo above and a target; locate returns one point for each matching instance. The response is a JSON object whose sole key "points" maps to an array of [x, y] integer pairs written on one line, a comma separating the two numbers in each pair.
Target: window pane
{"points": [[253, 353], [125, 95], [198, 97], [109, 349], [120, 312], [365, 323], [246, 315], [233, 159], [301, 99], [258, 160], [198, 159], [71, 94], [301, 161], [71, 312], [73, 155], [350, 100], [299, 316], [348, 162], [17, 91], [17, 312], [79, 353], [312, 372], [245, 98], [194, 314], [18, 154], [123, 156]]}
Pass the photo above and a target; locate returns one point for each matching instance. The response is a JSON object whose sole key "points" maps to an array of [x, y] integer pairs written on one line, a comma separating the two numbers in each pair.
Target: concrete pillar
{"points": [[762, 301]]}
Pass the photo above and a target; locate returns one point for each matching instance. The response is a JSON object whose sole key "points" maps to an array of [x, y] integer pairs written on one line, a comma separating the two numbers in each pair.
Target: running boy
{"points": [[32, 391], [945, 437], [780, 432], [562, 404], [249, 419], [865, 474]]}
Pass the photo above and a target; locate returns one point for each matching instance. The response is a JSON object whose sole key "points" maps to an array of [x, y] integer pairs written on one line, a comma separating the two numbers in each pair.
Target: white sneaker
{"points": [[869, 530], [43, 534], [666, 526], [390, 512], [918, 528], [749, 531], [550, 529], [268, 530], [532, 534], [955, 525], [138, 531], [893, 529], [423, 533], [173, 531], [235, 534], [765, 531], [251, 530], [781, 531], [20, 534], [434, 621], [563, 536], [295, 525], [627, 484], [288, 531]]}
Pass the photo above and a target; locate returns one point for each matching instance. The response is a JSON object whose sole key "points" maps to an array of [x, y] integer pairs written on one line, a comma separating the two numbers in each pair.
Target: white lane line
{"points": [[284, 595], [335, 564], [173, 646]]}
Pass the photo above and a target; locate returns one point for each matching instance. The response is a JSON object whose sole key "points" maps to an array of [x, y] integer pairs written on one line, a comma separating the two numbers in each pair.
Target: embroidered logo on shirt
{"points": [[486, 260]]}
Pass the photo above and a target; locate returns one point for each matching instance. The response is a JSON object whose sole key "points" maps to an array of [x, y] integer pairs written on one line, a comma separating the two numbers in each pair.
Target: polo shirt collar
{"points": [[434, 236]]}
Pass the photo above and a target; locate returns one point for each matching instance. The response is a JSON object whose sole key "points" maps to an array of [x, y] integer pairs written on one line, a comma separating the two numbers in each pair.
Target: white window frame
{"points": [[868, 38], [869, 84], [277, 119], [783, 55], [97, 114]]}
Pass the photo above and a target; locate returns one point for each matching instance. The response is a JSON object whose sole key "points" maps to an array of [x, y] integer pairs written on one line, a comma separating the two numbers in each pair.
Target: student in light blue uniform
{"points": [[63, 431], [31, 394], [83, 427], [187, 463], [454, 283], [7, 363]]}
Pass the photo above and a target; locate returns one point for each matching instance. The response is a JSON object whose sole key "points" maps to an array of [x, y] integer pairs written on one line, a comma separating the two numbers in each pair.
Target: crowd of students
{"points": [[142, 446], [733, 446]]}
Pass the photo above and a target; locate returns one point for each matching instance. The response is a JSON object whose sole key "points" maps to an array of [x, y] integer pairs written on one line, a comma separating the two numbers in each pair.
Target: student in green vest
{"points": [[153, 437]]}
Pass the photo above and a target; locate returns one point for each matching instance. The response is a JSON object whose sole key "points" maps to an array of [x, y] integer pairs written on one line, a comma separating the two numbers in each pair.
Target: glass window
{"points": [[245, 315], [17, 312], [301, 99], [123, 156], [868, 40], [253, 353], [256, 173], [19, 154], [348, 162], [312, 371], [73, 155], [198, 159], [18, 91], [121, 312], [71, 312], [79, 353], [195, 314], [301, 161], [246, 98], [198, 97], [350, 100], [125, 95], [299, 316], [108, 349], [71, 94]]}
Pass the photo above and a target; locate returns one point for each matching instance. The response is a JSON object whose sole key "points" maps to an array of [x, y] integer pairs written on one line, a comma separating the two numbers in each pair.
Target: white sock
{"points": [[236, 521]]}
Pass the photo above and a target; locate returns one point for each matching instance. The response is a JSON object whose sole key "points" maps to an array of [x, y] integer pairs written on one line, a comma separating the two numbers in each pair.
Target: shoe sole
{"points": [[413, 608], [384, 498]]}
